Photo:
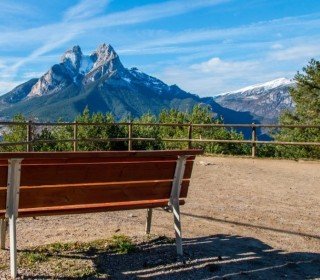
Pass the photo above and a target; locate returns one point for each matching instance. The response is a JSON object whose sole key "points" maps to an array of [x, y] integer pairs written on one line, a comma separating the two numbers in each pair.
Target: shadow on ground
{"points": [[212, 257], [212, 219]]}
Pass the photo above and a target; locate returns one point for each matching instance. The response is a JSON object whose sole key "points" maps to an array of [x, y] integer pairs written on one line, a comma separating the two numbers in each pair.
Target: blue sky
{"points": [[206, 46]]}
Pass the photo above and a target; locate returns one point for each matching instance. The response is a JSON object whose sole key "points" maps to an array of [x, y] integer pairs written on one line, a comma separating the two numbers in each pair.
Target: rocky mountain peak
{"points": [[72, 58], [105, 54]]}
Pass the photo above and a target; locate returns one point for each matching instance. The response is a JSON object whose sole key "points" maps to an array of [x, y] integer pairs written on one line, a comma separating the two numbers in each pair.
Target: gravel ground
{"points": [[243, 219]]}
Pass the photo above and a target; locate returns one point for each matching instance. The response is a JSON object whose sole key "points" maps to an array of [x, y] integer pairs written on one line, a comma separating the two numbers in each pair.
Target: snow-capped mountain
{"points": [[264, 101], [77, 68], [101, 82]]}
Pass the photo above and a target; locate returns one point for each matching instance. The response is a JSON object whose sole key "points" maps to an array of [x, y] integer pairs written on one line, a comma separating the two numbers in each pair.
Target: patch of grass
{"points": [[117, 243], [3, 266], [55, 248], [58, 247], [31, 258], [121, 244], [73, 259]]}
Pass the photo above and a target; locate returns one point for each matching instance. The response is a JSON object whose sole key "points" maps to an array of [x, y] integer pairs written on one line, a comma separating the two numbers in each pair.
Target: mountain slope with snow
{"points": [[264, 101], [100, 82]]}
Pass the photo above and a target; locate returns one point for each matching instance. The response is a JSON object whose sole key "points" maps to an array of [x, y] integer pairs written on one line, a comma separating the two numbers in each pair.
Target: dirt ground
{"points": [[244, 218]]}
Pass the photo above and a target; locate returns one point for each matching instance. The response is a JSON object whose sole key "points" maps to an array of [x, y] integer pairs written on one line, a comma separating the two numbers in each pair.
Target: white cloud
{"points": [[78, 20], [217, 66], [216, 75], [7, 86], [85, 9], [277, 46], [2, 64], [9, 8], [132, 16], [259, 31], [299, 52], [31, 75]]}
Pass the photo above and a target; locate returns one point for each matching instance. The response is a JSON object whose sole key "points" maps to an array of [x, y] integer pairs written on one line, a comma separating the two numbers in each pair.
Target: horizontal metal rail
{"points": [[31, 142], [156, 124]]}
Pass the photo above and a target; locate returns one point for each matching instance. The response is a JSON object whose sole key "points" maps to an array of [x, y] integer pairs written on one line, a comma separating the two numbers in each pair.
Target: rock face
{"points": [[264, 101], [102, 83], [79, 69]]}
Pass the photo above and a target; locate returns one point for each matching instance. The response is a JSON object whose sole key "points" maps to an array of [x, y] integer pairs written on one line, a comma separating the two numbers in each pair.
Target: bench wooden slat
{"points": [[92, 208], [91, 173], [39, 197], [57, 172], [95, 160], [101, 154]]}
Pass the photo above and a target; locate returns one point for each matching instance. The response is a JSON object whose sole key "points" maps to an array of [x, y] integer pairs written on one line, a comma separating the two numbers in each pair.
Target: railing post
{"points": [[130, 136], [190, 136], [75, 136], [29, 136], [253, 138]]}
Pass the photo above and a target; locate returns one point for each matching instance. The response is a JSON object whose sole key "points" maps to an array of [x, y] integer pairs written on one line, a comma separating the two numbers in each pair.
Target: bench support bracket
{"points": [[149, 219], [13, 184], [174, 201]]}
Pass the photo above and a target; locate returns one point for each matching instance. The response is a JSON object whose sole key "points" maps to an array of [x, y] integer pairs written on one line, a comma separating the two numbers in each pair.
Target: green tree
{"points": [[306, 96], [15, 133], [147, 131], [200, 114], [45, 134], [100, 126], [107, 129], [176, 132]]}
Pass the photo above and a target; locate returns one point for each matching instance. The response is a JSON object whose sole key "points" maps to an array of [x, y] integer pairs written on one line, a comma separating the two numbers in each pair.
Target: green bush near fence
{"points": [[110, 129]]}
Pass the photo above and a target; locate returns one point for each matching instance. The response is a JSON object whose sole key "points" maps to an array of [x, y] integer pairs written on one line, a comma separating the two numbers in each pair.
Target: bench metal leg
{"points": [[149, 219], [174, 201], [13, 184], [3, 233], [177, 228], [13, 247]]}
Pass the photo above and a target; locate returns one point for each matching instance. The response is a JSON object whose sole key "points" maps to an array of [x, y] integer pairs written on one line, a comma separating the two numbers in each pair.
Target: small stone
{"points": [[132, 216], [205, 163]]}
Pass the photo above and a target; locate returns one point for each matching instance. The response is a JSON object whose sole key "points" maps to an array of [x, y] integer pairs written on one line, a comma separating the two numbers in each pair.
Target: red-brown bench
{"points": [[42, 184]]}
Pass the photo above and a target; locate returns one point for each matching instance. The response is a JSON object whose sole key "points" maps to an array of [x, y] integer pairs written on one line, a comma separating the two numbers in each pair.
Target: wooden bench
{"points": [[44, 184]]}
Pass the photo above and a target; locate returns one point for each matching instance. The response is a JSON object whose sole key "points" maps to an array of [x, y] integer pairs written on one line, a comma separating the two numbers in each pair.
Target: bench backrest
{"points": [[81, 182]]}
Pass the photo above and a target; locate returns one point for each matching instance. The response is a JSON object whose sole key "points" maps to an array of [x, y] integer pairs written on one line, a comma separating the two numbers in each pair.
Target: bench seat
{"points": [[58, 183]]}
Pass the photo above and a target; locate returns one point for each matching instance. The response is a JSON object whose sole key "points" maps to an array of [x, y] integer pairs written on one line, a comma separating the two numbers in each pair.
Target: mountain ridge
{"points": [[266, 85], [265, 101], [100, 82]]}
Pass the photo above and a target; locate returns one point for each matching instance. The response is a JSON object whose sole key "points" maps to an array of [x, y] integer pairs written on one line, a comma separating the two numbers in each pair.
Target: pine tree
{"points": [[306, 96]]}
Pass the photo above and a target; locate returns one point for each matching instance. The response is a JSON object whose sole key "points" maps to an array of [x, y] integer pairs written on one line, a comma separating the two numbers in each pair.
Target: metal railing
{"points": [[29, 142]]}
